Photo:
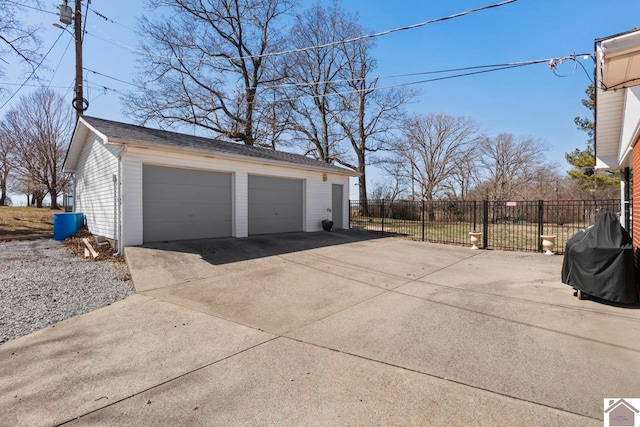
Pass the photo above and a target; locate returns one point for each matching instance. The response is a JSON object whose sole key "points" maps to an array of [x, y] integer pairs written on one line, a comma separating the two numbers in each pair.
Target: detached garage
{"points": [[138, 185]]}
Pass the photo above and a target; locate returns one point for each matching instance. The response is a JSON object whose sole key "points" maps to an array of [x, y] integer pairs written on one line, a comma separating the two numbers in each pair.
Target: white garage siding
{"points": [[95, 188], [317, 197]]}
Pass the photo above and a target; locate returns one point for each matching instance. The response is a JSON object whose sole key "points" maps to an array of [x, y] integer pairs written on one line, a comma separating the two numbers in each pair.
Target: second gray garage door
{"points": [[181, 204], [275, 205]]}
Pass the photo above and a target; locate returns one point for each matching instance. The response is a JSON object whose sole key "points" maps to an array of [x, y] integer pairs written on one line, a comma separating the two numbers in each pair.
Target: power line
{"points": [[106, 18], [422, 73], [33, 72], [375, 35], [109, 77], [320, 46], [473, 70], [33, 85], [60, 62], [29, 7]]}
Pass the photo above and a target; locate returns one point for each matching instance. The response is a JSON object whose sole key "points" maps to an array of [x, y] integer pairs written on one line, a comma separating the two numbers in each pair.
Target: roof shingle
{"points": [[162, 138]]}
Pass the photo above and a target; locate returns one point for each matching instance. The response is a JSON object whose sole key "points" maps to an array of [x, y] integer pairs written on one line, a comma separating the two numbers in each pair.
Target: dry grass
{"points": [[18, 222], [519, 237]]}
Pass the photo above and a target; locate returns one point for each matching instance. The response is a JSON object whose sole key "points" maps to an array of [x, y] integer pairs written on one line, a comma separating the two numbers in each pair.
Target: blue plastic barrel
{"points": [[79, 220], [66, 224]]}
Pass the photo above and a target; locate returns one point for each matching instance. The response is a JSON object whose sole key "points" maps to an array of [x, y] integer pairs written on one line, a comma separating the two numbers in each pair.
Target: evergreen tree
{"points": [[583, 161]]}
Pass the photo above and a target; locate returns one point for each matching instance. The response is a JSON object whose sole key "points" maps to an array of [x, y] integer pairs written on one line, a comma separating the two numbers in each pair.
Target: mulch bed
{"points": [[105, 252]]}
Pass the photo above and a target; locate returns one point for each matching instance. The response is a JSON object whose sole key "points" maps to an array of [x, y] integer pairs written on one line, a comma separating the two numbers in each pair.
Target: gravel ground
{"points": [[42, 283]]}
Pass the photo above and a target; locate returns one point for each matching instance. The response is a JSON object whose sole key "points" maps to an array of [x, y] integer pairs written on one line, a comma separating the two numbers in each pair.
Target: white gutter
{"points": [[620, 46]]}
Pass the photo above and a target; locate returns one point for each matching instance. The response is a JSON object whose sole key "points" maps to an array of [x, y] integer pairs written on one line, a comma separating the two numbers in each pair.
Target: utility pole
{"points": [[79, 103], [78, 100]]}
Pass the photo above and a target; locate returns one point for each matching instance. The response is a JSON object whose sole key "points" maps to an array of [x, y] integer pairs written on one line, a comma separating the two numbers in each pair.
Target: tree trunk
{"points": [[362, 184], [54, 199]]}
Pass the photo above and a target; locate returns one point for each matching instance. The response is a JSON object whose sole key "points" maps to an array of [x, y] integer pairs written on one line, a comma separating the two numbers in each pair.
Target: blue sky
{"points": [[529, 101]]}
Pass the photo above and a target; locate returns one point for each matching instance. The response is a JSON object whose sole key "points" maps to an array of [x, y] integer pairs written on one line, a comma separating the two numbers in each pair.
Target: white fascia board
{"points": [[228, 156], [621, 45], [630, 122], [619, 58], [607, 163], [78, 139]]}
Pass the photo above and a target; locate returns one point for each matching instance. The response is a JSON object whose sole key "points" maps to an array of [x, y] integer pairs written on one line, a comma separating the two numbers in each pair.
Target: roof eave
{"points": [[79, 136], [229, 156]]}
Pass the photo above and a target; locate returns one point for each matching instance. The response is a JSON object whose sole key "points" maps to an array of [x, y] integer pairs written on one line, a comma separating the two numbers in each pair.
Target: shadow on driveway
{"points": [[230, 250]]}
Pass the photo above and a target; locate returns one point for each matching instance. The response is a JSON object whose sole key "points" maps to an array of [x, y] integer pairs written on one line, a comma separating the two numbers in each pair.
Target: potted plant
{"points": [[327, 223]]}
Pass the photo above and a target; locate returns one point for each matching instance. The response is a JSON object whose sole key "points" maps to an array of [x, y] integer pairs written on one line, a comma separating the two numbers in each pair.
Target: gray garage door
{"points": [[275, 205], [180, 204]]}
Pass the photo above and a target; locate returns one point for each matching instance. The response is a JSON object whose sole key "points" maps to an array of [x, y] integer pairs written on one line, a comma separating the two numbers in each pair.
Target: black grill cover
{"points": [[599, 262]]}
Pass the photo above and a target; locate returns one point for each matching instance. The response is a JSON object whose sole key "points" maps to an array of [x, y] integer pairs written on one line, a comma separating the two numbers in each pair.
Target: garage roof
{"points": [[119, 133]]}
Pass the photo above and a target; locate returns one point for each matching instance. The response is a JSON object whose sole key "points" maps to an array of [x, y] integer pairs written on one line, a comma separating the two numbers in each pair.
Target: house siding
{"points": [[95, 193], [316, 197]]}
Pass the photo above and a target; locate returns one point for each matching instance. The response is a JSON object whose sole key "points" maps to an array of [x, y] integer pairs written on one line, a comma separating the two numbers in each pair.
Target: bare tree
{"points": [[368, 116], [512, 164], [312, 76], [338, 111], [17, 39], [204, 63], [395, 185], [7, 154], [465, 177], [437, 150], [40, 128]]}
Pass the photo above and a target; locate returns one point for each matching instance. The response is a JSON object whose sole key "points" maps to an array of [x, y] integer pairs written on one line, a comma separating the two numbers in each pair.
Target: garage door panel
{"points": [[177, 230], [182, 194], [195, 212], [181, 204], [275, 205]]}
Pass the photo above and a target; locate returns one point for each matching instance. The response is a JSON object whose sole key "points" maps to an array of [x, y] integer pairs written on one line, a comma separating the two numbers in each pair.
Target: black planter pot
{"points": [[326, 225]]}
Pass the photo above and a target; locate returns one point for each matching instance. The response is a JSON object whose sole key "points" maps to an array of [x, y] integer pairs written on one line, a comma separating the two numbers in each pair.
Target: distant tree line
{"points": [[439, 156], [33, 140]]}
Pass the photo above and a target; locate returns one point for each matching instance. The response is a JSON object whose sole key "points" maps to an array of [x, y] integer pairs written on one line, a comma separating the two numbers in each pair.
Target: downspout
{"points": [[117, 226], [74, 184]]}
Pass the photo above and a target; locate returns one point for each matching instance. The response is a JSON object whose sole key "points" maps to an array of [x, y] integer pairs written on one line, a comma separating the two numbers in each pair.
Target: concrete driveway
{"points": [[328, 329]]}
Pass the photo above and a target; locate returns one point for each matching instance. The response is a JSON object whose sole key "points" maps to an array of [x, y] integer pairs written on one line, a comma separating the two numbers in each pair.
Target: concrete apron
{"points": [[324, 329]]}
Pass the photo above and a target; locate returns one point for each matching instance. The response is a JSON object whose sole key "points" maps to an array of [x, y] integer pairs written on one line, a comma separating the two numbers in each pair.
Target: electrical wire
{"points": [[479, 69], [33, 72], [60, 62], [32, 85], [403, 84], [376, 35], [109, 19], [422, 73], [589, 76], [320, 46], [29, 7], [109, 77]]}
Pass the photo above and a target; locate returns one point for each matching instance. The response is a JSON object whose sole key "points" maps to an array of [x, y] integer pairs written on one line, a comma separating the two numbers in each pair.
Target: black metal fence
{"points": [[505, 225]]}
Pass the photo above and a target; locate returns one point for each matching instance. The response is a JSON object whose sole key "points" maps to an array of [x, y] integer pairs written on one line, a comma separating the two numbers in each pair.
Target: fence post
{"points": [[423, 220], [540, 223], [485, 224], [349, 228], [382, 215], [475, 210]]}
